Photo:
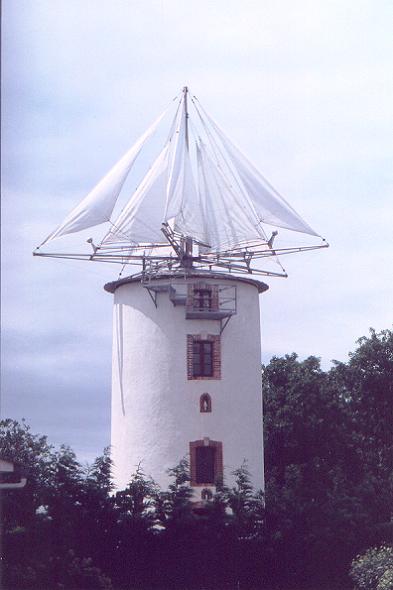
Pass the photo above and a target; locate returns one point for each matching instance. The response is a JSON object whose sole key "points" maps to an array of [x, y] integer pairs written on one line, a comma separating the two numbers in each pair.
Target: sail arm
{"points": [[173, 197], [98, 205]]}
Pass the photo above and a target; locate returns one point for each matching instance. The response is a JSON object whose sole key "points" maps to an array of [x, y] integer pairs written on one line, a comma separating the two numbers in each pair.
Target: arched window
{"points": [[206, 494], [205, 403]]}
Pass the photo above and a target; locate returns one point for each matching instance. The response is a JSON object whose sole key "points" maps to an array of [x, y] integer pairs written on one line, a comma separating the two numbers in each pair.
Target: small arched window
{"points": [[206, 494], [205, 403]]}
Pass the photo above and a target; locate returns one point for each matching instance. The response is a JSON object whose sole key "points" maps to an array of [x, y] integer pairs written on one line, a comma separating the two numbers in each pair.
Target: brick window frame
{"points": [[216, 342], [193, 299], [218, 461]]}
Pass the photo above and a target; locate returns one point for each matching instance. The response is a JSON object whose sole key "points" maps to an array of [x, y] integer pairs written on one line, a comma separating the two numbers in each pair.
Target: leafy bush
{"points": [[374, 569], [80, 574]]}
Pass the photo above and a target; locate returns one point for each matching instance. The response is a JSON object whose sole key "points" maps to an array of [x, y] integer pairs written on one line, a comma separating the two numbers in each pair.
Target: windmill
{"points": [[201, 225]]}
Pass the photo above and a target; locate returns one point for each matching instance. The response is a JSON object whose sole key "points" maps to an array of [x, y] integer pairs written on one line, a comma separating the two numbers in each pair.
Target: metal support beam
{"points": [[152, 297], [223, 324]]}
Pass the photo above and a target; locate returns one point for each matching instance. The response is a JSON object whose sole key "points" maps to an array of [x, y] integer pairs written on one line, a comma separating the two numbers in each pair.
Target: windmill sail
{"points": [[270, 205], [97, 206], [167, 193], [231, 221], [141, 219], [206, 192], [183, 206]]}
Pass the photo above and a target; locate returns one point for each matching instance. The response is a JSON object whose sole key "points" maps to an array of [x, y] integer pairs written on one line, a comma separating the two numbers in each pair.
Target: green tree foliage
{"points": [[54, 514], [365, 384], [98, 476], [66, 500], [67, 572], [134, 531], [136, 502], [328, 463], [328, 491], [80, 574], [246, 505], [374, 569], [36, 457], [175, 505]]}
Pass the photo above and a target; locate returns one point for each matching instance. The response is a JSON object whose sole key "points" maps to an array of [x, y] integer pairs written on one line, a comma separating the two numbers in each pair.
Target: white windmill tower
{"points": [[186, 377]]}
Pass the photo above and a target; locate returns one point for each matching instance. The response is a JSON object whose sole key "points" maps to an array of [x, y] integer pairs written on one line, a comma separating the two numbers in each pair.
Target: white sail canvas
{"points": [[205, 192], [141, 219], [271, 207], [97, 206]]}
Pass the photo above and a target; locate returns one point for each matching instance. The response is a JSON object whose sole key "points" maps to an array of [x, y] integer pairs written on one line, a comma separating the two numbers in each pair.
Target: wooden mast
{"points": [[185, 92], [187, 257]]}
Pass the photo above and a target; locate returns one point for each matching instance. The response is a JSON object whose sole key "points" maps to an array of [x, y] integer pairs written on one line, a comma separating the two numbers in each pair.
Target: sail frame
{"points": [[225, 212]]}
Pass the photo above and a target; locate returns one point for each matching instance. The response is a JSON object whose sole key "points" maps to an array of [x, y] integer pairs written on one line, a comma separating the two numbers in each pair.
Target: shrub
{"points": [[374, 569]]}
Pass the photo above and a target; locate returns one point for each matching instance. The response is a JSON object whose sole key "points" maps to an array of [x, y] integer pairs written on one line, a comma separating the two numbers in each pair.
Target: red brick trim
{"points": [[218, 461], [216, 356]]}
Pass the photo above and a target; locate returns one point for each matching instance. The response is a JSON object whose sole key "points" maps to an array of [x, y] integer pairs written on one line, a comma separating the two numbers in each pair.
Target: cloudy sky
{"points": [[304, 87]]}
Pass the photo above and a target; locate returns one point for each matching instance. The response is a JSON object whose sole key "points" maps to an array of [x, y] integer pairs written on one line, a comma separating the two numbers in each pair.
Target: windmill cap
{"points": [[216, 276]]}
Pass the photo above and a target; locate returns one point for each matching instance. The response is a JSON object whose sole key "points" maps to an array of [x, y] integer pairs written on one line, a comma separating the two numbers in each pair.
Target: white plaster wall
{"points": [[155, 408]]}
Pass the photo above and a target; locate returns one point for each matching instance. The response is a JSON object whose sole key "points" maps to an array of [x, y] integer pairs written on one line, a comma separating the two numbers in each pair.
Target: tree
{"points": [[328, 454], [365, 385], [247, 506], [98, 475], [175, 502], [35, 456], [328, 491], [374, 569], [58, 573], [133, 544], [97, 514], [50, 520], [136, 502], [65, 502]]}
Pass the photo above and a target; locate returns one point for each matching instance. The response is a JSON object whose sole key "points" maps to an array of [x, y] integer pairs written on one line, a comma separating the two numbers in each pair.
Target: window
{"points": [[205, 403], [206, 494], [206, 462], [203, 357], [202, 299], [204, 467]]}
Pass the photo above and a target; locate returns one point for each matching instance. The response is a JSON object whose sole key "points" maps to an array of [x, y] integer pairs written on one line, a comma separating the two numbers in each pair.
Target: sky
{"points": [[304, 87]]}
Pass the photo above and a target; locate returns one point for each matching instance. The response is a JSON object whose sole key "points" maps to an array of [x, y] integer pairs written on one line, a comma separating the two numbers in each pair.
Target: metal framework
{"points": [[154, 260], [223, 310], [182, 260]]}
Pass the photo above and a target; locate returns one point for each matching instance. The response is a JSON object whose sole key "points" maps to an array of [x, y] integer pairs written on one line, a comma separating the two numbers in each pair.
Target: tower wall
{"points": [[156, 410]]}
